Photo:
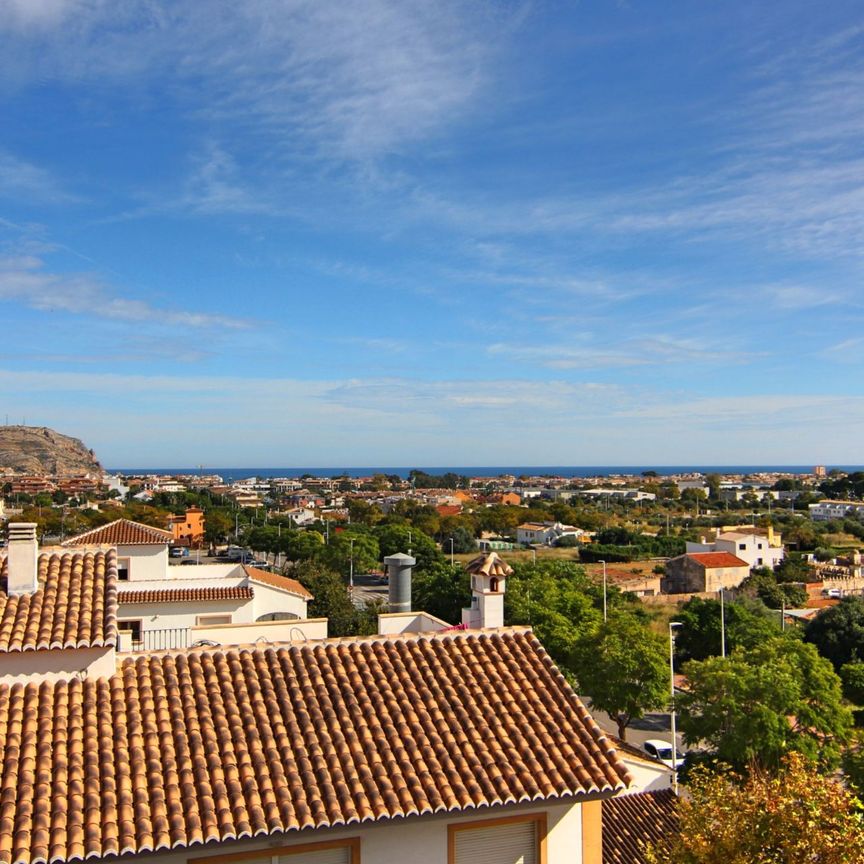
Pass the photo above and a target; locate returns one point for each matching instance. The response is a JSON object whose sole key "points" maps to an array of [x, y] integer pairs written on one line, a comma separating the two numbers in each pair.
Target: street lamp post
{"points": [[452, 562], [351, 566], [722, 624], [604, 590], [672, 626]]}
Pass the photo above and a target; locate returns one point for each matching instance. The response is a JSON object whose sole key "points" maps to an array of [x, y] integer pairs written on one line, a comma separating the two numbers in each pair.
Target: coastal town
{"points": [[430, 432], [586, 614]]}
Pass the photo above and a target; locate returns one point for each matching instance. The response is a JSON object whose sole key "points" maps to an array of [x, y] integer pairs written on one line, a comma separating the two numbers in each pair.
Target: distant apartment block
{"points": [[828, 509]]}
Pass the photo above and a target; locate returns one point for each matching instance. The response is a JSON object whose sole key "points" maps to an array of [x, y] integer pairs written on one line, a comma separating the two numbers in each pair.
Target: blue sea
{"points": [[233, 474]]}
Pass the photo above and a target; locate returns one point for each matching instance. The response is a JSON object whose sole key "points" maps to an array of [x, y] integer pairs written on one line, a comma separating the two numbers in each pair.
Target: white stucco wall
{"points": [[409, 622], [272, 631], [145, 562], [170, 616], [648, 776], [420, 839], [269, 599], [57, 664]]}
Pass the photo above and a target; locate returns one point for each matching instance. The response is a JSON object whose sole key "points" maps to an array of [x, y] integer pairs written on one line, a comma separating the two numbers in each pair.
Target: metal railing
{"points": [[160, 640]]}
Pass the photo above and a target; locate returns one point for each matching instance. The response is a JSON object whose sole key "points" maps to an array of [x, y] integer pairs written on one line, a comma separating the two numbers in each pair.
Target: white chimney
{"points": [[22, 558], [488, 582]]}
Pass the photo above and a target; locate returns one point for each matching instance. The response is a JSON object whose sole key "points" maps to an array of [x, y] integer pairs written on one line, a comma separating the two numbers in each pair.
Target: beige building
{"points": [[698, 572]]}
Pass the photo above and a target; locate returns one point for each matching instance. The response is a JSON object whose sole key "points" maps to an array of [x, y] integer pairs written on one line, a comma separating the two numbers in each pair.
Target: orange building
{"points": [[187, 530]]}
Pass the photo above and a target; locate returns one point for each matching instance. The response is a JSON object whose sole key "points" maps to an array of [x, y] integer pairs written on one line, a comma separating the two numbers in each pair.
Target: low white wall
{"points": [[647, 776], [272, 631], [422, 839], [58, 664], [409, 622]]}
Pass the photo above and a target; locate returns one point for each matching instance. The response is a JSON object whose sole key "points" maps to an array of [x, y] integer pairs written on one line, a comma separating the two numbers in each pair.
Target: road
{"points": [[367, 589], [650, 726]]}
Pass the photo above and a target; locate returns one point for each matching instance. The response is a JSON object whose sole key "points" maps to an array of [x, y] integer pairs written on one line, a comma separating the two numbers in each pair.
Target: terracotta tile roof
{"points": [[185, 595], [489, 564], [122, 532], [630, 822], [717, 559], [74, 605], [276, 580], [183, 748]]}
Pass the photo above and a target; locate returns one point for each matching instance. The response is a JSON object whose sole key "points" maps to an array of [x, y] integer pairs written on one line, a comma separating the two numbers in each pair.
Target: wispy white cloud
{"points": [[795, 297], [622, 353], [25, 279], [350, 81], [24, 181], [27, 14]]}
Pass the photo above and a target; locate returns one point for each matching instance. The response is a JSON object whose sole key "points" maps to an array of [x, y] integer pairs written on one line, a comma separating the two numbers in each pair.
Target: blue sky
{"points": [[399, 233]]}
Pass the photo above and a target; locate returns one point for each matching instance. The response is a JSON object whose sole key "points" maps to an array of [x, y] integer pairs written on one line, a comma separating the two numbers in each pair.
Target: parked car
{"points": [[259, 563], [662, 752], [832, 592], [178, 552]]}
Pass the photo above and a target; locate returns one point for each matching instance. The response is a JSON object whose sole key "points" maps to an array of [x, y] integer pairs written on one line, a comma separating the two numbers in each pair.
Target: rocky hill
{"points": [[39, 450]]}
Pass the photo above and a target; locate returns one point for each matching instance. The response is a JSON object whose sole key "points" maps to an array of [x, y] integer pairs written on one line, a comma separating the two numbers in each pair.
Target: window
{"points": [[508, 840], [123, 567], [742, 546], [328, 852], [210, 620], [133, 627]]}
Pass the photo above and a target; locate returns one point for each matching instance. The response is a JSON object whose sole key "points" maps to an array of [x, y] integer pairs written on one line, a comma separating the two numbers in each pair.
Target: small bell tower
{"points": [[488, 582]]}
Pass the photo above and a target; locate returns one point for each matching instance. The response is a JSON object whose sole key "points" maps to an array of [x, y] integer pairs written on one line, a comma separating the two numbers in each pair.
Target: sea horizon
{"points": [[568, 471]]}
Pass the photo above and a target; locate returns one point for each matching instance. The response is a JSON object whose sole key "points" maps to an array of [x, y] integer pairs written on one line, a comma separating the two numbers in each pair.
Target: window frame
{"points": [[138, 621], [128, 568], [350, 843], [202, 620], [539, 818]]}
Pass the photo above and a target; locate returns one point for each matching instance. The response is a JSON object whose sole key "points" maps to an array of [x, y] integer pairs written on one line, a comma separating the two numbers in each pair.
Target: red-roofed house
{"points": [[703, 571]]}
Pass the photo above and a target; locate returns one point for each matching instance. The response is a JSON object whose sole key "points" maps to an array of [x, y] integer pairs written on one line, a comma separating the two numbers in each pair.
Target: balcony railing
{"points": [[160, 640]]}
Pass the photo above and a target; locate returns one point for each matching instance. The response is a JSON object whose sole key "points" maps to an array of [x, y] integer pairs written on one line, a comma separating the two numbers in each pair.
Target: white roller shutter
{"points": [[340, 855], [508, 843]]}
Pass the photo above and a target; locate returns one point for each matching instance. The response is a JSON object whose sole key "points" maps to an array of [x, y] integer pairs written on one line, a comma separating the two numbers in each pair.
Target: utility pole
{"points": [[605, 617], [672, 626], [722, 625]]}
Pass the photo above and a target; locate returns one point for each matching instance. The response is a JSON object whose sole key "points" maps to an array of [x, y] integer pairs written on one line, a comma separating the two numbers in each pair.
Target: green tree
{"points": [[757, 705], [793, 817], [441, 590], [362, 512], [762, 583], [330, 598], [838, 632], [852, 676], [624, 669], [560, 603], [393, 538], [700, 637], [301, 545], [340, 552], [463, 540]]}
